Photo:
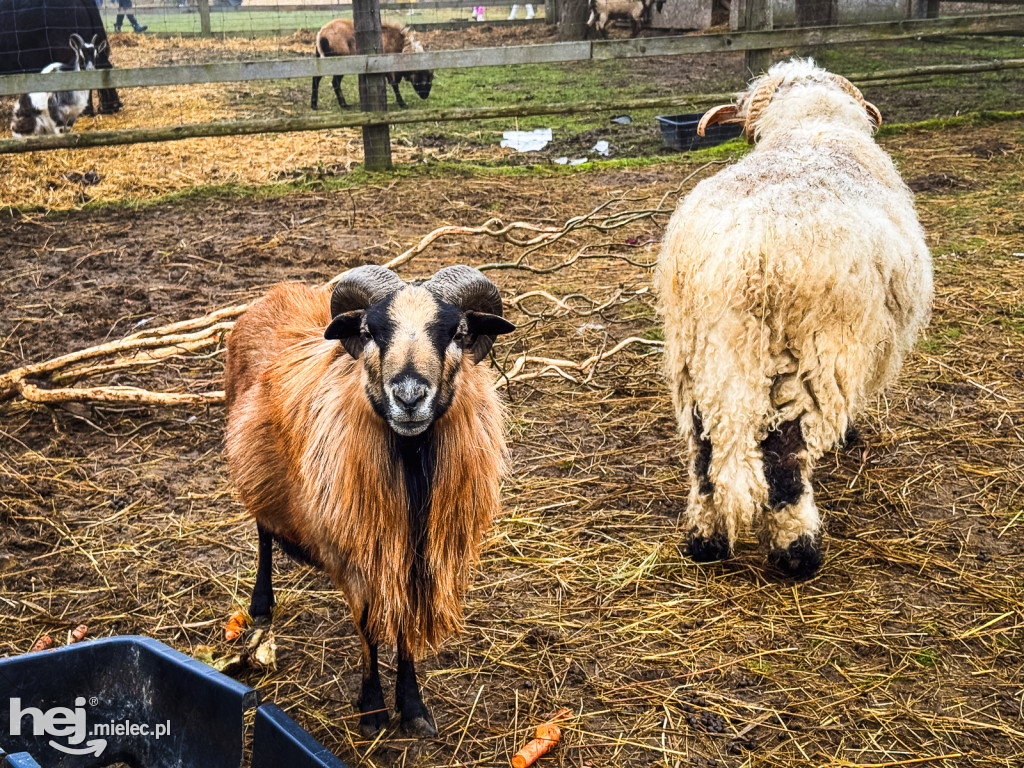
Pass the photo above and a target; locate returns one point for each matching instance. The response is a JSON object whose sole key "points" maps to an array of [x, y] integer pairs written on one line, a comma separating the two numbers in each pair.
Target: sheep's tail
{"points": [[322, 47]]}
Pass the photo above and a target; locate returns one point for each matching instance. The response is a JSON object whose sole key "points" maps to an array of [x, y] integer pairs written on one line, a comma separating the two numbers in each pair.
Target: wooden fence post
{"points": [[550, 11], [572, 19], [373, 94], [205, 29], [758, 16]]}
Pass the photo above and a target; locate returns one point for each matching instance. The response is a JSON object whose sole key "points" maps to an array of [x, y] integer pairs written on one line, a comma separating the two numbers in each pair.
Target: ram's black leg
{"points": [[416, 719], [373, 711], [262, 603]]}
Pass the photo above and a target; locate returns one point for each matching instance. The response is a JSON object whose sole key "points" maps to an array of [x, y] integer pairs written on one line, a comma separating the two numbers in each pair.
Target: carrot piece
{"points": [[44, 643], [547, 735], [78, 633], [236, 625]]}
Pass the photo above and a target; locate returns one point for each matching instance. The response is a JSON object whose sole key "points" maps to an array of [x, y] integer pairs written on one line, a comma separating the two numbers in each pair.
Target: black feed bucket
{"points": [[134, 701], [680, 132]]}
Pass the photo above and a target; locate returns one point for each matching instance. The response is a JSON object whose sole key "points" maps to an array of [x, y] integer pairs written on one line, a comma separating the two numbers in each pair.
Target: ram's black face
{"points": [[422, 81], [412, 346]]}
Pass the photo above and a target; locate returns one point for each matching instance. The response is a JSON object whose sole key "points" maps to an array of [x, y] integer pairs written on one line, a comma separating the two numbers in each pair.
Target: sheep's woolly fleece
{"points": [[793, 283]]}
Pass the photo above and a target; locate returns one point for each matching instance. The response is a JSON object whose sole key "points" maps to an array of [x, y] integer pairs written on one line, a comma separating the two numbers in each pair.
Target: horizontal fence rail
{"points": [[420, 5], [358, 119], [546, 53]]}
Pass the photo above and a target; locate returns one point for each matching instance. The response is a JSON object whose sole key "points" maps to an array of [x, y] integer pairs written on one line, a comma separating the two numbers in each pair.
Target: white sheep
{"points": [[792, 284], [44, 113]]}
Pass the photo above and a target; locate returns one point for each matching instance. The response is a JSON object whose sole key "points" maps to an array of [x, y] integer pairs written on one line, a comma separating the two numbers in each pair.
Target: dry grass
{"points": [[905, 650], [51, 180]]}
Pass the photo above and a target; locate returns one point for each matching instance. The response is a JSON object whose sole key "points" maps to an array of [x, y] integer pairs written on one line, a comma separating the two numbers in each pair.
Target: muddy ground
{"points": [[908, 644]]}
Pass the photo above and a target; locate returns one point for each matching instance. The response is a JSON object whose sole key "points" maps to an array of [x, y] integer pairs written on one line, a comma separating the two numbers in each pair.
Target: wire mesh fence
{"points": [[69, 177], [268, 18]]}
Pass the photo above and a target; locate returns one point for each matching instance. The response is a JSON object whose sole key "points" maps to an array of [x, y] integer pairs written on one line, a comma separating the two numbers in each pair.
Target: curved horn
{"points": [[874, 114], [466, 288], [479, 301], [723, 114], [363, 286], [852, 90], [758, 100]]}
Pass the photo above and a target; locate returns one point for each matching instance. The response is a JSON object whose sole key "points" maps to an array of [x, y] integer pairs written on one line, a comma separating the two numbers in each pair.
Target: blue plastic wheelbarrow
{"points": [[133, 700]]}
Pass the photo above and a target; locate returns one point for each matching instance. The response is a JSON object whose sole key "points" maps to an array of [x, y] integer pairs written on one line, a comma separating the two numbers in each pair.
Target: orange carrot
{"points": [[547, 735], [78, 633], [236, 625], [44, 643]]}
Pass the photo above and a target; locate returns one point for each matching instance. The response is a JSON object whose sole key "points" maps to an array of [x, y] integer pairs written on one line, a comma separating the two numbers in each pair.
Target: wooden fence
{"points": [[547, 53], [478, 57]]}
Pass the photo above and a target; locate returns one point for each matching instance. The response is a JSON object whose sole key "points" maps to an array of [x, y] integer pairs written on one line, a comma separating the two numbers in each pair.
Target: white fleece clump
{"points": [[792, 284]]}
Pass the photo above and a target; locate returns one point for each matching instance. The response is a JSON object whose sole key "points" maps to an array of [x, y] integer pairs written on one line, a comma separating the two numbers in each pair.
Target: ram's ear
{"points": [[482, 328], [347, 328]]}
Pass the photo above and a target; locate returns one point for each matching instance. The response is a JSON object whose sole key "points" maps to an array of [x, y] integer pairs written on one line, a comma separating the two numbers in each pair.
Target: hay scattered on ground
{"points": [[907, 649], [64, 178]]}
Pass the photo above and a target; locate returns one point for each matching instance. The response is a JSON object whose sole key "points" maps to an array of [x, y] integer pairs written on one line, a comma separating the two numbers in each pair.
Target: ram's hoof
{"points": [[372, 723], [707, 549], [801, 559], [261, 608], [419, 727]]}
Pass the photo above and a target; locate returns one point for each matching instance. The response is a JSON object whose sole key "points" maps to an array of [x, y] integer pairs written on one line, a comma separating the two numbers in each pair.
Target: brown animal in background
{"points": [[373, 449], [338, 38]]}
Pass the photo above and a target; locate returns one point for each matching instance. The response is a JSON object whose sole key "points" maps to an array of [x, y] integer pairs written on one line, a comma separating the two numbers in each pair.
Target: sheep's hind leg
{"points": [[791, 528], [706, 541], [336, 85], [416, 719], [373, 716], [262, 603]]}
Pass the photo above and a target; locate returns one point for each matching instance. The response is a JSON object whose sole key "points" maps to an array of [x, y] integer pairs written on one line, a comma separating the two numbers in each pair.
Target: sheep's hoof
{"points": [[706, 550], [372, 723], [852, 436], [419, 727], [801, 559]]}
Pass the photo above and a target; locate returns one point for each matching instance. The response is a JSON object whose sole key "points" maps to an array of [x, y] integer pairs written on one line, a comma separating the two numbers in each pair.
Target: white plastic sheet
{"points": [[526, 141]]}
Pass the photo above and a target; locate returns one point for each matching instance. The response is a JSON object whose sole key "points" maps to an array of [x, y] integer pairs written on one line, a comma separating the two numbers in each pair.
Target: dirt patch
{"points": [[934, 182], [908, 645], [990, 149]]}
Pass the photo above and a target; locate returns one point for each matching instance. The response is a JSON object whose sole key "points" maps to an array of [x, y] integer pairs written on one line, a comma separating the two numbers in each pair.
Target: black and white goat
{"points": [[52, 113]]}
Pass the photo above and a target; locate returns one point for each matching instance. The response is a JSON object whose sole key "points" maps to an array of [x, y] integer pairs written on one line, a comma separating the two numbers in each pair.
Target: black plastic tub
{"points": [[680, 132], [133, 700]]}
